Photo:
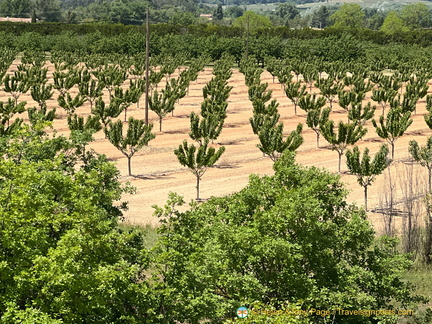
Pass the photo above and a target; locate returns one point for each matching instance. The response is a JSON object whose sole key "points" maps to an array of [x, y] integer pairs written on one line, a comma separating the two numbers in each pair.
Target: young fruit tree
{"points": [[7, 111], [361, 114], [294, 91], [205, 128], [423, 155], [106, 112], [383, 97], [348, 99], [329, 88], [69, 103], [137, 136], [315, 118], [271, 138], [16, 84], [366, 169], [162, 105], [81, 132], [41, 94], [347, 134], [428, 116], [198, 159], [311, 102], [393, 127]]}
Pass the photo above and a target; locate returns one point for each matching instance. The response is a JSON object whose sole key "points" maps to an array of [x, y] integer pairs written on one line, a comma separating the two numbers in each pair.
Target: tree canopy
{"points": [[290, 237], [349, 15]]}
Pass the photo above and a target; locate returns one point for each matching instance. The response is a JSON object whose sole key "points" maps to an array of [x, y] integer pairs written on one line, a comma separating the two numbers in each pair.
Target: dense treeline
{"points": [[11, 30]]}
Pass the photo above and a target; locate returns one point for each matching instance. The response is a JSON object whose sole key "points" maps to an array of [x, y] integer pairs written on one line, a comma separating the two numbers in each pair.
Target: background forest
{"points": [[389, 15]]}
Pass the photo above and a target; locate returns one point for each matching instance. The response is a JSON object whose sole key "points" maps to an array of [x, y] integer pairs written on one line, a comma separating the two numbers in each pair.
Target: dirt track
{"points": [[157, 171]]}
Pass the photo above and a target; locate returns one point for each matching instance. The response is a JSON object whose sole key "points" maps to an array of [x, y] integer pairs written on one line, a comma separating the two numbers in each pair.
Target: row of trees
{"points": [[208, 126]]}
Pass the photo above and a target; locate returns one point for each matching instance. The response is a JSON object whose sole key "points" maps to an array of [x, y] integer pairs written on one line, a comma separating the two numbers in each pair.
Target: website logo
{"points": [[242, 312]]}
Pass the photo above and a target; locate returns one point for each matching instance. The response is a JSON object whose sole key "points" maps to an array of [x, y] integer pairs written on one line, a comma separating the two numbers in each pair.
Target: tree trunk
{"points": [[392, 145], [129, 165], [430, 178], [160, 124], [198, 188], [365, 197], [340, 159], [318, 135]]}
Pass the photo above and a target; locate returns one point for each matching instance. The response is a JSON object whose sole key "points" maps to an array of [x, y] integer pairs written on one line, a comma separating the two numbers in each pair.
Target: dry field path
{"points": [[157, 171]]}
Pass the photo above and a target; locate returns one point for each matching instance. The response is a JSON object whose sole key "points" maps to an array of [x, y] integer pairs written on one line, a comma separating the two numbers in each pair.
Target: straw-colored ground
{"points": [[157, 171]]}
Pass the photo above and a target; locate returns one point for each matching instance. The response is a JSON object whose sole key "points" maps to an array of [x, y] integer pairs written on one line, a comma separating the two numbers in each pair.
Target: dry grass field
{"points": [[157, 171]]}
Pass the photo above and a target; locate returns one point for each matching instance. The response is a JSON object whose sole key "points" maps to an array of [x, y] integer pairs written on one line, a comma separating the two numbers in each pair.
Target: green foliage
{"points": [[348, 134], [70, 104], [311, 102], [285, 239], [198, 160], [394, 126], [162, 105], [106, 112], [315, 118], [295, 91], [90, 90], [137, 136], [64, 81], [360, 113], [82, 131], [329, 88], [205, 129], [423, 155], [251, 22], [393, 24], [271, 139], [417, 15], [366, 169], [16, 85], [41, 93], [349, 15], [383, 97]]}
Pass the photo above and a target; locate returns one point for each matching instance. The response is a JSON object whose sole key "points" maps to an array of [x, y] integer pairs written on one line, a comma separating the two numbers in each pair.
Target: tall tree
{"points": [[417, 15], [320, 17], [349, 15]]}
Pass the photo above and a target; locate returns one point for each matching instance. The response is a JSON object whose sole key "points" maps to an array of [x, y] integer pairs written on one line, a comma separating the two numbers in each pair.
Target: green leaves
{"points": [[137, 136], [423, 155], [348, 134], [198, 160], [205, 129], [394, 126], [162, 105], [295, 91], [271, 138], [63, 255], [365, 169], [288, 237]]}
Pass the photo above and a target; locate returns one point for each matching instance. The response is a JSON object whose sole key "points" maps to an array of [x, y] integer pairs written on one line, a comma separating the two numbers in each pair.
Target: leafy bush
{"points": [[290, 238]]}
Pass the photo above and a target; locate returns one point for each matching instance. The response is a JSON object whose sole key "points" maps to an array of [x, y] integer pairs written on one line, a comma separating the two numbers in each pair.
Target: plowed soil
{"points": [[156, 170]]}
